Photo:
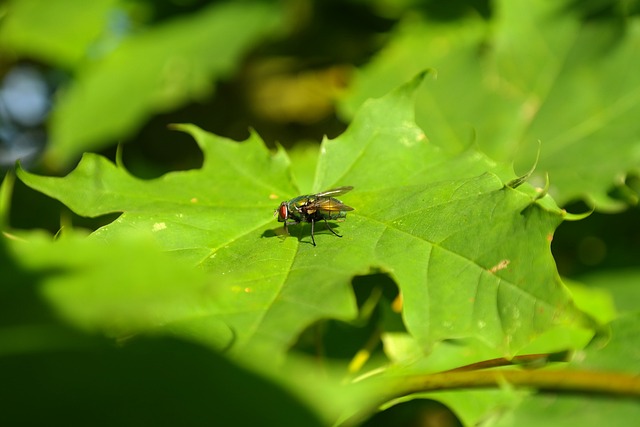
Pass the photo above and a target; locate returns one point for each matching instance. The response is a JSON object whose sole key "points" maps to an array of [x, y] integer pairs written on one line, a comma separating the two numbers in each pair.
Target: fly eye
{"points": [[283, 212]]}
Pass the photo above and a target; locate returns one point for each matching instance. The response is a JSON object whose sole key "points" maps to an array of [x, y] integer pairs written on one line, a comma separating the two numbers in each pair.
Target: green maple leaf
{"points": [[470, 254], [535, 73]]}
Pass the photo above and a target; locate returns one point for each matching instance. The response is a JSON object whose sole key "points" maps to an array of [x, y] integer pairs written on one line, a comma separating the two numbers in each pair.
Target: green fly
{"points": [[314, 207]]}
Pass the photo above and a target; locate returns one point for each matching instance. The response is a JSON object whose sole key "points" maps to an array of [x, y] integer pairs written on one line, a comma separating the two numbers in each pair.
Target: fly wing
{"points": [[335, 192], [330, 205]]}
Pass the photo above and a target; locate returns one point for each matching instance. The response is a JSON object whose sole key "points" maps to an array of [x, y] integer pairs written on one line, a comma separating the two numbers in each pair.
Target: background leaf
{"points": [[161, 381], [620, 284], [146, 73], [56, 293], [148, 289], [62, 33], [533, 73], [612, 352]]}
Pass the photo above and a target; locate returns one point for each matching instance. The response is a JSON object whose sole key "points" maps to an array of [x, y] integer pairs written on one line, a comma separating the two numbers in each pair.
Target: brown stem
{"points": [[469, 377], [533, 360], [558, 380]]}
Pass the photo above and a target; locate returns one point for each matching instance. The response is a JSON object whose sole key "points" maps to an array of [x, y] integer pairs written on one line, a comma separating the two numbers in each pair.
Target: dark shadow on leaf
{"points": [[301, 231], [163, 381], [270, 233]]}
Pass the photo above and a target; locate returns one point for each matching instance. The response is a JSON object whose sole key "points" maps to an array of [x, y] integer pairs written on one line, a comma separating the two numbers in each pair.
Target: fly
{"points": [[314, 207]]}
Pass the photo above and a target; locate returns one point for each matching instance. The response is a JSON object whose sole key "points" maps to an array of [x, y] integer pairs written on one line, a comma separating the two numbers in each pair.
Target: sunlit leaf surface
{"points": [[470, 255]]}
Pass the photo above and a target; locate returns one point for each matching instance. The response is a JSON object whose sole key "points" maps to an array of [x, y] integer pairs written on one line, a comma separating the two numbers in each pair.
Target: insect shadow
{"points": [[301, 231]]}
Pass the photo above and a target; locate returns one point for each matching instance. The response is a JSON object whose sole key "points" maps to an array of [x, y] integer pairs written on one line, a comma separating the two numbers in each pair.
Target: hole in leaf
{"points": [[600, 241], [416, 412], [357, 341]]}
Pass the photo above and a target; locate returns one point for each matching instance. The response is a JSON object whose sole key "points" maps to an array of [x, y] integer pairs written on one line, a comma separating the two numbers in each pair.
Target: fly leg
{"points": [[312, 238], [330, 229], [287, 224]]}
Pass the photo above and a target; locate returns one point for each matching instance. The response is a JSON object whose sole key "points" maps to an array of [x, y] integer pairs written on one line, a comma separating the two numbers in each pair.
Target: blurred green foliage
{"points": [[128, 320]]}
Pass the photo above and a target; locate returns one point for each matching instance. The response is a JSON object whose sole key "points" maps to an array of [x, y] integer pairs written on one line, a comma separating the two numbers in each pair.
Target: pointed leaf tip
{"points": [[413, 84], [426, 72]]}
